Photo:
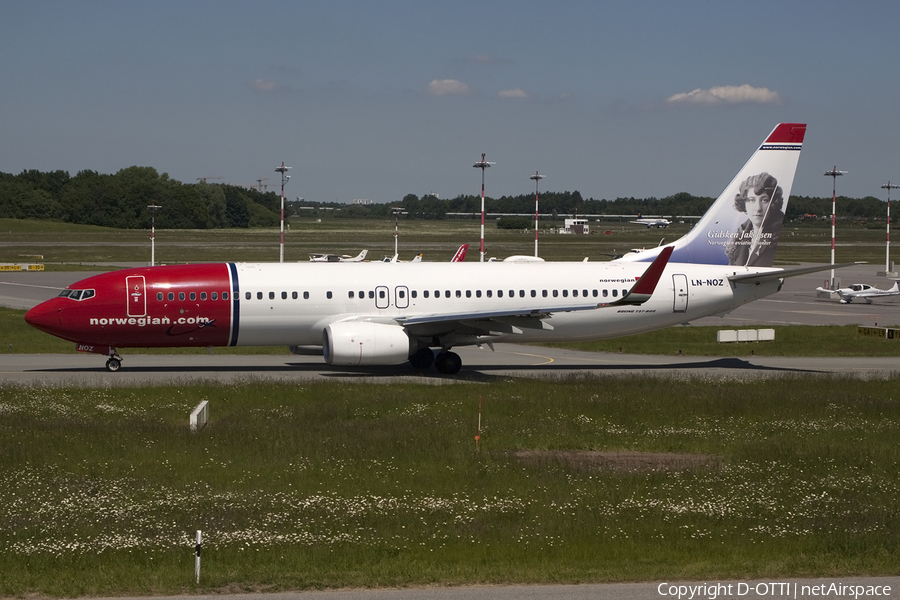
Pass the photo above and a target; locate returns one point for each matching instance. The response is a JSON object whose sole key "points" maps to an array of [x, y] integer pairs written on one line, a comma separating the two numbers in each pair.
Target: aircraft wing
{"points": [[783, 273], [512, 320]]}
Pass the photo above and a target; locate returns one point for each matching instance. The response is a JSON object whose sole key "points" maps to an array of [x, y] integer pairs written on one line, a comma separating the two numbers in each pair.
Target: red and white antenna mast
{"points": [[537, 177], [887, 244], [284, 179], [482, 165]]}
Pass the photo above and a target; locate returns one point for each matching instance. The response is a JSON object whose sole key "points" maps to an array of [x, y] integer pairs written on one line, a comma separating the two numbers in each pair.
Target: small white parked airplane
{"points": [[659, 223], [373, 313], [338, 257], [863, 291]]}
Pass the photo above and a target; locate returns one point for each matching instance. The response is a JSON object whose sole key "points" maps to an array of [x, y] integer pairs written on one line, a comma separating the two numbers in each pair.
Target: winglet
{"points": [[646, 285]]}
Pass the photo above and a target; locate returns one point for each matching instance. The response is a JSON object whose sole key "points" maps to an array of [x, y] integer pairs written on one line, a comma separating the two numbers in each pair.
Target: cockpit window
{"points": [[77, 294]]}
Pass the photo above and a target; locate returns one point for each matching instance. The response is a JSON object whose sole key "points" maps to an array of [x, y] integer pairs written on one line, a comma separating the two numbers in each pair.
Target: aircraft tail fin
{"points": [[460, 253], [742, 226]]}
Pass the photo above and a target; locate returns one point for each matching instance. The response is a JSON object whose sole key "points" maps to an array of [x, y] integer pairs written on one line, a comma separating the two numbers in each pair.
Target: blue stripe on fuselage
{"points": [[235, 305]]}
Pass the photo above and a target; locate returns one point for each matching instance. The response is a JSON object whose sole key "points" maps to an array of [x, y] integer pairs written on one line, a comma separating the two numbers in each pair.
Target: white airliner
{"points": [[338, 257], [651, 222], [380, 313], [862, 291]]}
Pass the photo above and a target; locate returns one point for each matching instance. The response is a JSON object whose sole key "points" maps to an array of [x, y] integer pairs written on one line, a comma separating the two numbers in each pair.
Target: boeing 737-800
{"points": [[389, 313]]}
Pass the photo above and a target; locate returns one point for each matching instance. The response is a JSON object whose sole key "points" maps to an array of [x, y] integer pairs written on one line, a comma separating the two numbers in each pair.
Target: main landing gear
{"points": [[446, 362]]}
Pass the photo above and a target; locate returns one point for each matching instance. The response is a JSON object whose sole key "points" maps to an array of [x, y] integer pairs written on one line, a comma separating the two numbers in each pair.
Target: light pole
{"points": [[482, 165], [537, 177], [396, 210], [284, 179], [887, 244], [834, 174], [153, 208]]}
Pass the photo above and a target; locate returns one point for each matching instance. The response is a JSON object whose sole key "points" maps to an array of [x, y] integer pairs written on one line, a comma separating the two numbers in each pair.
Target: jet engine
{"points": [[363, 343]]}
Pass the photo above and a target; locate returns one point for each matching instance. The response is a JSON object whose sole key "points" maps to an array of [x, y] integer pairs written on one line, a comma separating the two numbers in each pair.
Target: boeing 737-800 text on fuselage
{"points": [[387, 313]]}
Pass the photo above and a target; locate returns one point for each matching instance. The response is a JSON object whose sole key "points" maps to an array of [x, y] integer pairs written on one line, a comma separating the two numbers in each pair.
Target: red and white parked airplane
{"points": [[388, 313]]}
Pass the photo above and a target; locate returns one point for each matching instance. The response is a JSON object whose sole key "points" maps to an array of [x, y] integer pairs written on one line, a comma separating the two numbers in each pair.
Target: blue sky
{"points": [[379, 99]]}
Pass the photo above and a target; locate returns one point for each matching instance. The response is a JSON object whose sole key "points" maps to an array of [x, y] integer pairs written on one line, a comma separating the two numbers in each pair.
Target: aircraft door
{"points": [[681, 292], [401, 296], [137, 297], [382, 297]]}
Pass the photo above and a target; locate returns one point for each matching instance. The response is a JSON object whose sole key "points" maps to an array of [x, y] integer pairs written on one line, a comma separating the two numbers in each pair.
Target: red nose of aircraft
{"points": [[46, 316]]}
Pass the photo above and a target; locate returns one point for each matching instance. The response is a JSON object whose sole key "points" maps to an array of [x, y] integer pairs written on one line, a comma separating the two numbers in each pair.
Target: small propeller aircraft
{"points": [[862, 291], [338, 257]]}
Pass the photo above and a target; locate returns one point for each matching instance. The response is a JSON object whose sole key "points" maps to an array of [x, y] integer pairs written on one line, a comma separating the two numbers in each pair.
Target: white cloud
{"points": [[727, 94], [513, 93], [265, 85], [440, 87]]}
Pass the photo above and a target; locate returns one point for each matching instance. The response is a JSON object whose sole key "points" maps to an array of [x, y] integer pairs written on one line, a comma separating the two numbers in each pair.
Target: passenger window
{"points": [[224, 296], [381, 294], [193, 296], [624, 292], [306, 295], [499, 293], [402, 294], [259, 295], [605, 293], [171, 296], [575, 293], [159, 296], [414, 294], [521, 293], [214, 296], [293, 295], [458, 294], [248, 295], [615, 293], [425, 293], [512, 293], [478, 293], [584, 293], [544, 293], [565, 293], [446, 293], [371, 295], [328, 295], [595, 293], [490, 293], [555, 293], [350, 294], [203, 295], [181, 296], [271, 295], [284, 295]]}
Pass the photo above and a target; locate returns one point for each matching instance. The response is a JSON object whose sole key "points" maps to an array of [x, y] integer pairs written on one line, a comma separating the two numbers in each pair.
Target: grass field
{"points": [[65, 246], [327, 486], [338, 485]]}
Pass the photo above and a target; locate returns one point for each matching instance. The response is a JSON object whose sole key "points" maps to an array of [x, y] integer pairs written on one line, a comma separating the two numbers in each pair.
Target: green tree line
{"points": [[121, 200]]}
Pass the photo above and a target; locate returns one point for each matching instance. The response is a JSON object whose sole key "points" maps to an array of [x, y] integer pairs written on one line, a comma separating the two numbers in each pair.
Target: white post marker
{"points": [[197, 556]]}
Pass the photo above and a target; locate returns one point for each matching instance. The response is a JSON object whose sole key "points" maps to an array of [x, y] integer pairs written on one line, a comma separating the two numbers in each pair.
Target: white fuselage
{"points": [[290, 304]]}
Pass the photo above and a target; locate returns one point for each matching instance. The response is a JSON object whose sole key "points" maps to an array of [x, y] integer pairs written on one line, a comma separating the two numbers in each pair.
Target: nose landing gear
{"points": [[114, 362]]}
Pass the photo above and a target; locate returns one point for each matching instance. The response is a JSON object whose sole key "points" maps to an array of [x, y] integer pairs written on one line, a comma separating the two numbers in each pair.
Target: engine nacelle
{"points": [[362, 343]]}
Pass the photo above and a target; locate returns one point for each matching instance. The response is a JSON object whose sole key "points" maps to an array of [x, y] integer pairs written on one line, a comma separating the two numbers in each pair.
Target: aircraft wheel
{"points": [[448, 363], [113, 364], [422, 358]]}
